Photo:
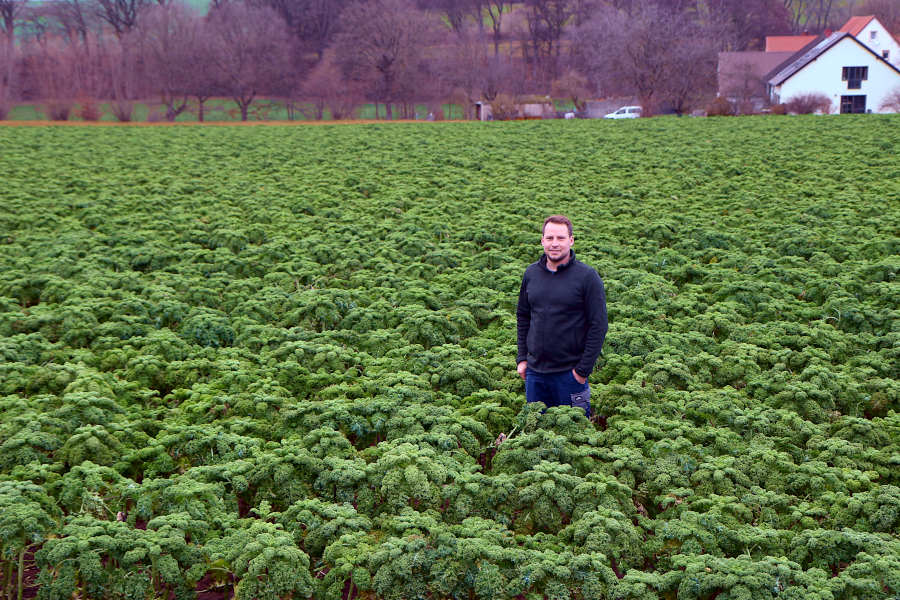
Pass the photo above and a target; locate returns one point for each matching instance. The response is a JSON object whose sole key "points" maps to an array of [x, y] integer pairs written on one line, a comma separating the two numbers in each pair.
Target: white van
{"points": [[626, 112]]}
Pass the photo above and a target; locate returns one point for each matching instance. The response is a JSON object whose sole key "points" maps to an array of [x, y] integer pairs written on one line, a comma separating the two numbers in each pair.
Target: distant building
{"points": [[483, 112], [873, 34], [856, 67], [849, 73], [527, 110]]}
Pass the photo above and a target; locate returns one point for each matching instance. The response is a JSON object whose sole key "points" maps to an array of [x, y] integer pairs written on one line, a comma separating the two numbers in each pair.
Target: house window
{"points": [[854, 76], [853, 104], [873, 35], [885, 54]]}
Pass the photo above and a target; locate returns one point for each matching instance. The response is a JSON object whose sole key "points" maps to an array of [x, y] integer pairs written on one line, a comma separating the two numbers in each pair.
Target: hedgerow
{"points": [[277, 362]]}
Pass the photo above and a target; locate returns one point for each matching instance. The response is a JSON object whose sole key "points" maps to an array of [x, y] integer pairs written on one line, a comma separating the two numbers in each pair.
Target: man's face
{"points": [[556, 241]]}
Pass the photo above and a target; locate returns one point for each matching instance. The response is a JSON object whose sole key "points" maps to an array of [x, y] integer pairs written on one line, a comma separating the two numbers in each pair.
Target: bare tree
{"points": [[793, 8], [123, 63], [810, 15], [322, 83], [822, 14], [497, 74], [457, 71], [76, 22], [748, 22], [495, 10], [74, 19], [886, 11], [313, 23], [168, 36], [743, 83], [470, 72], [478, 8], [381, 46], [80, 38], [693, 77], [583, 10], [891, 102], [251, 51], [573, 86], [546, 21], [204, 81], [461, 70], [7, 68], [10, 10], [624, 53], [456, 12], [101, 66], [121, 15], [326, 88], [318, 23], [658, 55], [49, 63], [421, 83]]}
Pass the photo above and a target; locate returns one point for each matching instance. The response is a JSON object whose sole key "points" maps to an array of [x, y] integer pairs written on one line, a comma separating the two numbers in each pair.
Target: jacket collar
{"points": [[543, 262]]}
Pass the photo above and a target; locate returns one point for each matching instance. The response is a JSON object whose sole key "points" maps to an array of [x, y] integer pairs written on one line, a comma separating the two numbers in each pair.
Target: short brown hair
{"points": [[559, 220]]}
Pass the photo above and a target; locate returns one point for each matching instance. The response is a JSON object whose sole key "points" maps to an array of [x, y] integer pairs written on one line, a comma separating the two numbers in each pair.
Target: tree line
{"points": [[326, 57]]}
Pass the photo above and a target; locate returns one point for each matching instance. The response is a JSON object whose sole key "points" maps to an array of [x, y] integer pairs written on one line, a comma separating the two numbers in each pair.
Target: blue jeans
{"points": [[557, 389]]}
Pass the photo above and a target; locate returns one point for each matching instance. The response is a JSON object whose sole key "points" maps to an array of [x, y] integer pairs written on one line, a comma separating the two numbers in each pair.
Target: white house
{"points": [[873, 34], [851, 74]]}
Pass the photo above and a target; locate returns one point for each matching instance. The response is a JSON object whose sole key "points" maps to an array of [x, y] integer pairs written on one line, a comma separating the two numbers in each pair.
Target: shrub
{"points": [[745, 107], [720, 107], [504, 108], [344, 104], [59, 110], [807, 104], [89, 109], [779, 109], [891, 103], [123, 109]]}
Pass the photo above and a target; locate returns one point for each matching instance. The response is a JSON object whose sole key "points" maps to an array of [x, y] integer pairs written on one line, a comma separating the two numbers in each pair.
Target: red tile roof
{"points": [[856, 24], [787, 43]]}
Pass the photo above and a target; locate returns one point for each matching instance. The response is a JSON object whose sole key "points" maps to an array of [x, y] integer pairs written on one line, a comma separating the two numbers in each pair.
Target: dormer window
{"points": [[854, 76]]}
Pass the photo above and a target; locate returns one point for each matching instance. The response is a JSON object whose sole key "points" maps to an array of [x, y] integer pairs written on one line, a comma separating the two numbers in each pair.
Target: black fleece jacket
{"points": [[561, 317]]}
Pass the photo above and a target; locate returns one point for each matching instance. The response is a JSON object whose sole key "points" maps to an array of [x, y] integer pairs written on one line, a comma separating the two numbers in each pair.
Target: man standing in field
{"points": [[560, 321]]}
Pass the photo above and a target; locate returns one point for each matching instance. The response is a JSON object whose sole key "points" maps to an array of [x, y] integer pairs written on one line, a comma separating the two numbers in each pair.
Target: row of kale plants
{"points": [[277, 362]]}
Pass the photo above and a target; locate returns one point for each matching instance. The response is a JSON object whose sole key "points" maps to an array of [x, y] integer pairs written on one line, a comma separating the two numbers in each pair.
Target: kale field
{"points": [[274, 362]]}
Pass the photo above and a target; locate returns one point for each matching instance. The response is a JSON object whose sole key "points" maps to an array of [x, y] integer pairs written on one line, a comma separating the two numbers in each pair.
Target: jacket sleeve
{"points": [[597, 323], [523, 321]]}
